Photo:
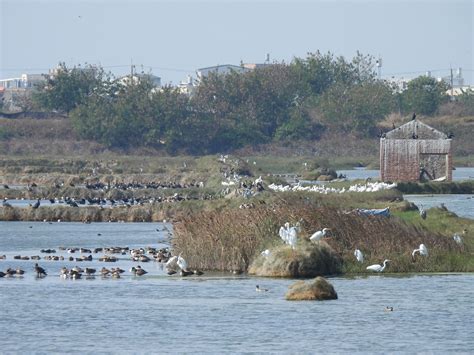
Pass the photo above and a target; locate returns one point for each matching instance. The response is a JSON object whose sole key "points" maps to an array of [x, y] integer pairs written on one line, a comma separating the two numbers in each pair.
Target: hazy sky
{"points": [[174, 38]]}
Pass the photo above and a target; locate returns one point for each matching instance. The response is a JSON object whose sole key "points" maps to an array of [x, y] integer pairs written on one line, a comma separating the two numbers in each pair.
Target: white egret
{"points": [[171, 265], [359, 256], [183, 265], [457, 238], [316, 237], [423, 250], [377, 267], [266, 253], [284, 232], [292, 237]]}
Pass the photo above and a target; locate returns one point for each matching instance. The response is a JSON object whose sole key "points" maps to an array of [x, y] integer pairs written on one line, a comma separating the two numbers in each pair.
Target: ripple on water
{"points": [[219, 313]]}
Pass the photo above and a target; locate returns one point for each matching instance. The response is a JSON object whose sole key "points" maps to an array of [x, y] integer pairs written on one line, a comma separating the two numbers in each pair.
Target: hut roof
{"points": [[422, 130]]}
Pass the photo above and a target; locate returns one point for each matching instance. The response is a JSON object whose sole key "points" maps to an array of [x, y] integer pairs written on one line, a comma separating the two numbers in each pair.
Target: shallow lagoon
{"points": [[460, 174], [215, 312]]}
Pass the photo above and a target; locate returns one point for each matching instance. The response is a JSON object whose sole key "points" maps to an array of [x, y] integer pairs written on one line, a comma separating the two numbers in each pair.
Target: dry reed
{"points": [[231, 239]]}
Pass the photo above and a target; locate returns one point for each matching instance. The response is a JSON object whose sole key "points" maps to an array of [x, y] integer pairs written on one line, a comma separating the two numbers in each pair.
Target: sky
{"points": [[172, 39]]}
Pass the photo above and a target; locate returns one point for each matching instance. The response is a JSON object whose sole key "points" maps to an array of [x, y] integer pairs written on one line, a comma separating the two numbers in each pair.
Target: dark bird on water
{"points": [[414, 116], [5, 186], [36, 204], [40, 272]]}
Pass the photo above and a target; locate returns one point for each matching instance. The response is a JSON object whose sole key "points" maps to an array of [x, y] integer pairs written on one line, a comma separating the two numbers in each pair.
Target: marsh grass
{"points": [[233, 238]]}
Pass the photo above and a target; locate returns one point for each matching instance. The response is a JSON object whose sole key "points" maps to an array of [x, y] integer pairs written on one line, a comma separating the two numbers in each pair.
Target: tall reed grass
{"points": [[233, 238]]}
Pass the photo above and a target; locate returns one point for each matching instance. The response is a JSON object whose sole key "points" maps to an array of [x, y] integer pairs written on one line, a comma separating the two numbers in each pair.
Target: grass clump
{"points": [[307, 260]]}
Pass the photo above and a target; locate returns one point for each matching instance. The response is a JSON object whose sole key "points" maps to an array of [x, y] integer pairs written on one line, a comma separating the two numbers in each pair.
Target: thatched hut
{"points": [[415, 152]]}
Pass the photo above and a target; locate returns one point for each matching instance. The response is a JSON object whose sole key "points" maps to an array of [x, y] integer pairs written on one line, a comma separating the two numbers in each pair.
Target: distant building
{"points": [[25, 81], [415, 152], [220, 69], [460, 91], [253, 66], [187, 87], [15, 92], [155, 80]]}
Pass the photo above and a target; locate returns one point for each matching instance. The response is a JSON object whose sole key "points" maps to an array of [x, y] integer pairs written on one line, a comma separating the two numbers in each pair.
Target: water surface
{"points": [[215, 313], [461, 204], [460, 174]]}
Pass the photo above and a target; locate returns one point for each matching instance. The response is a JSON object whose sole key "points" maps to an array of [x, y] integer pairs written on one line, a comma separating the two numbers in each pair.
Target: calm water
{"points": [[361, 173], [214, 313], [461, 204]]}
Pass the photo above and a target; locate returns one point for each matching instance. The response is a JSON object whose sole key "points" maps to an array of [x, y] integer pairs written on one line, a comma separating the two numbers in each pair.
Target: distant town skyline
{"points": [[172, 39]]}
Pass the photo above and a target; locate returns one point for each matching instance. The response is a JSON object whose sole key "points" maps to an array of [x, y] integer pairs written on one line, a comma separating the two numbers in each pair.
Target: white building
{"points": [[155, 80], [25, 81], [187, 87]]}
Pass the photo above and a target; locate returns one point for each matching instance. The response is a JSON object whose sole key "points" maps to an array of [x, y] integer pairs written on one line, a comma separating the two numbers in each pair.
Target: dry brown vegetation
{"points": [[233, 239]]}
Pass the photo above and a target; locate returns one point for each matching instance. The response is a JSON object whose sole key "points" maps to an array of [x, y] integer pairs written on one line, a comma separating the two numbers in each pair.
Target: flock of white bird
{"points": [[289, 235], [323, 189], [176, 262], [422, 250]]}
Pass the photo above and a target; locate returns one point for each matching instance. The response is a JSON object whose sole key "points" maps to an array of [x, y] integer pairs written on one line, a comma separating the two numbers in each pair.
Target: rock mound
{"points": [[319, 289], [307, 260]]}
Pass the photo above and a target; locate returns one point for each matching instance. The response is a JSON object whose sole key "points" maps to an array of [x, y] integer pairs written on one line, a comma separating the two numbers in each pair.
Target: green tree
{"points": [[356, 108], [318, 72], [424, 95], [68, 88]]}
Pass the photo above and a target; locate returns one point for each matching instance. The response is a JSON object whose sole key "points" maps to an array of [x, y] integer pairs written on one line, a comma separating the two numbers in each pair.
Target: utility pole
{"points": [[452, 84], [131, 71]]}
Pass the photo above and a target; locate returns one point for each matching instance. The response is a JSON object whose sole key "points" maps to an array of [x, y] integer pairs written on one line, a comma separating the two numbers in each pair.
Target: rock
{"points": [[308, 260], [325, 178], [319, 289]]}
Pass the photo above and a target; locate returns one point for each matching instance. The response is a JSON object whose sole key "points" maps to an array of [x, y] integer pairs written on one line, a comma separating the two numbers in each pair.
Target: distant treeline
{"points": [[278, 102]]}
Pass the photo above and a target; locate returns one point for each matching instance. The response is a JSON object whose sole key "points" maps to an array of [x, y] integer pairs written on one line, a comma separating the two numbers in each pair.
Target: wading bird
{"points": [[36, 204], [423, 250], [359, 256], [183, 265], [316, 237], [292, 237], [377, 267]]}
